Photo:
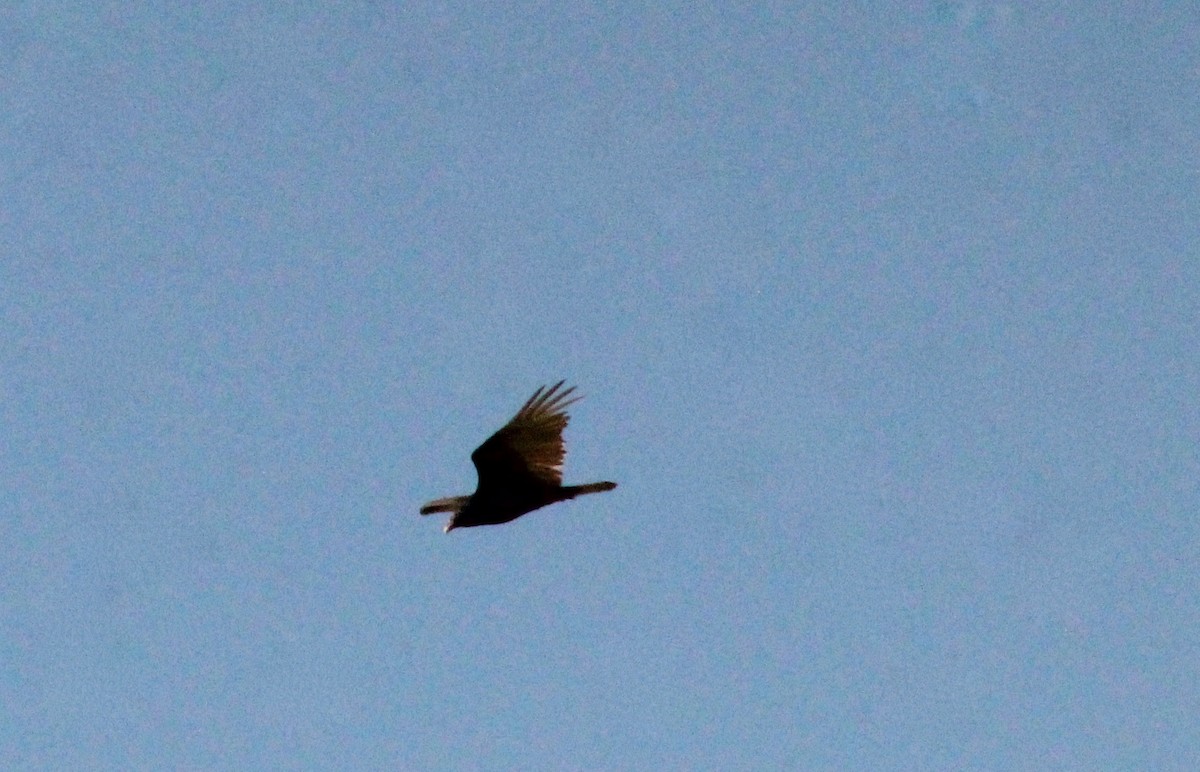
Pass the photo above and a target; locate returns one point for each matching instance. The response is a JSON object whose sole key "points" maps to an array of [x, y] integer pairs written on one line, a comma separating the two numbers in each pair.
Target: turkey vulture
{"points": [[520, 466]]}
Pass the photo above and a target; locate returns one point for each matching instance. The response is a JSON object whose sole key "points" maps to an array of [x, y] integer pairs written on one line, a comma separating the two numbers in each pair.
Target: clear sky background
{"points": [[886, 313]]}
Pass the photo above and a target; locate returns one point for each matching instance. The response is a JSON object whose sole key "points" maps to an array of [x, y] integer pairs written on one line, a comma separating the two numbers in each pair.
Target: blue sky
{"points": [[886, 315]]}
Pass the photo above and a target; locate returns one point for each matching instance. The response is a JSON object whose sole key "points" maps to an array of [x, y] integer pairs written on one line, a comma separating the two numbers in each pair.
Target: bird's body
{"points": [[520, 466]]}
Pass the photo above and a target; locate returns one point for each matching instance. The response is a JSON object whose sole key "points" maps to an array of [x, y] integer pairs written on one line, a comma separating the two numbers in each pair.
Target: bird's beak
{"points": [[449, 527]]}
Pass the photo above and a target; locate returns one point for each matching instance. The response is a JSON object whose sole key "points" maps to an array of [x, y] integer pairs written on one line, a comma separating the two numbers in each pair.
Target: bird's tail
{"points": [[449, 504], [571, 491]]}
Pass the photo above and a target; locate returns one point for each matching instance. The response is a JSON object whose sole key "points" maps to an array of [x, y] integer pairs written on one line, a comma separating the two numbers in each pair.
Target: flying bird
{"points": [[520, 466]]}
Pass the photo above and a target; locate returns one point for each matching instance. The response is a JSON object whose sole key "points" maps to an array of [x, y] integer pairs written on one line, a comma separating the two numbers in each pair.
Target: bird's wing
{"points": [[531, 444]]}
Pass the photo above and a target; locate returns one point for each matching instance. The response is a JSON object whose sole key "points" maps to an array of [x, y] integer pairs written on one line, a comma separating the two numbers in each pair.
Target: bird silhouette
{"points": [[520, 466]]}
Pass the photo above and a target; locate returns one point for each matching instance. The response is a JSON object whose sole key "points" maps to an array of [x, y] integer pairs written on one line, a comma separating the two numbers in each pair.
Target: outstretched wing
{"points": [[529, 449]]}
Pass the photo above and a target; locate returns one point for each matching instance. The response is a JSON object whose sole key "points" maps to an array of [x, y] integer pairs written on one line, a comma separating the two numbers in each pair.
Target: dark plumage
{"points": [[520, 466]]}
